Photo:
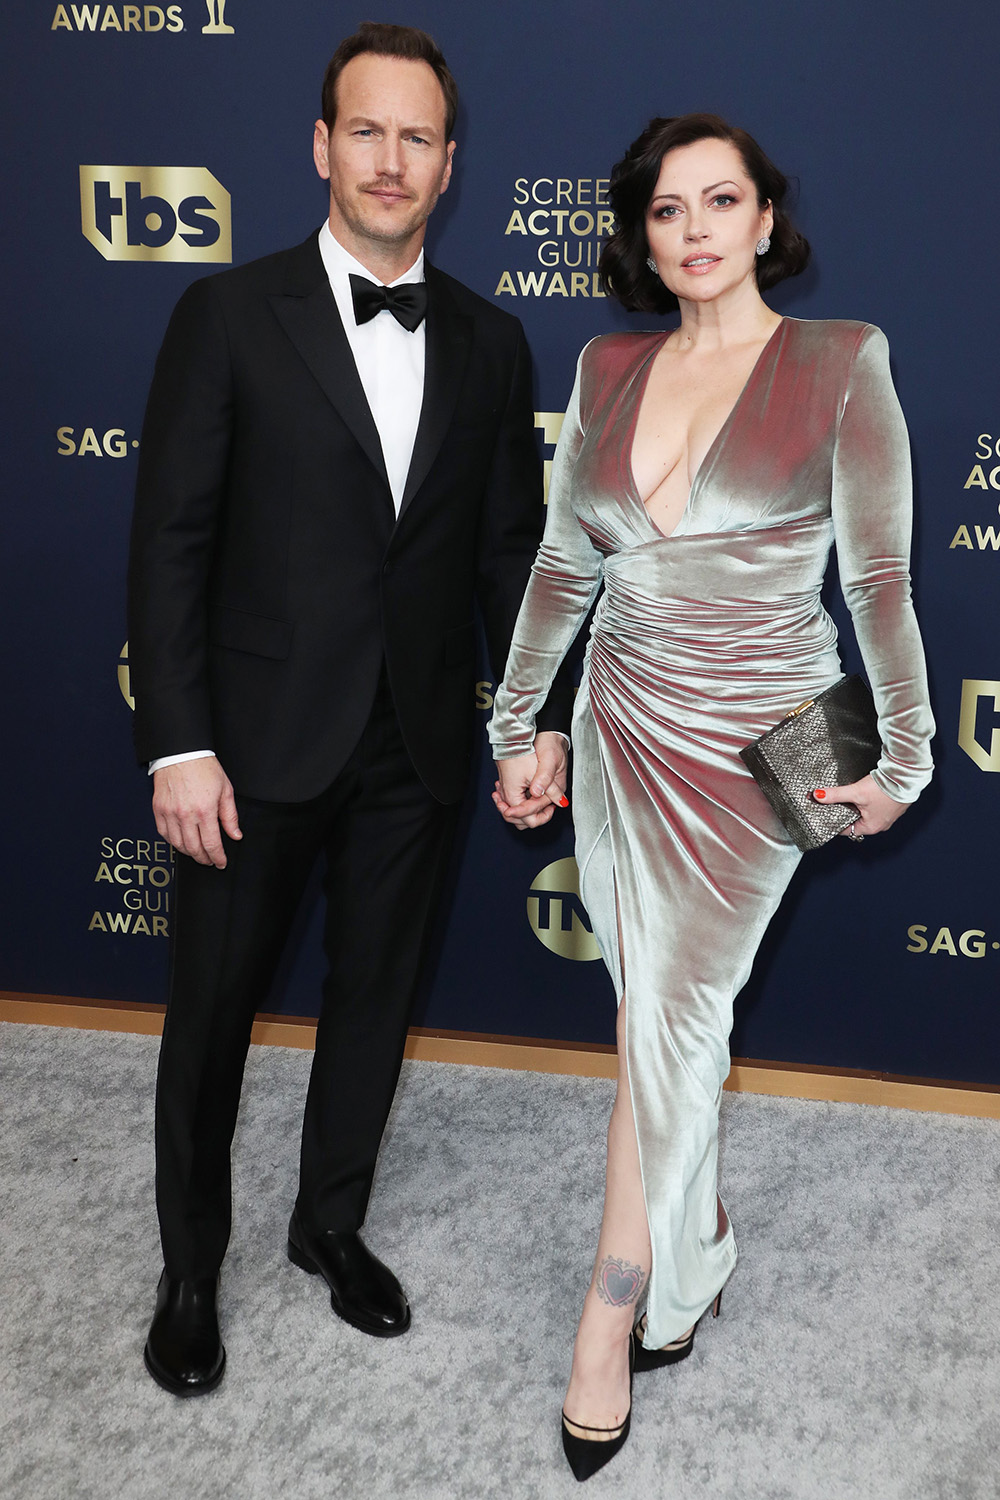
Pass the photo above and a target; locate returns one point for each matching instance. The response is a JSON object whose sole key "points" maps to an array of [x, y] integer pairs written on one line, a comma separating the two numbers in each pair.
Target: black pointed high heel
{"points": [[670, 1354], [586, 1455]]}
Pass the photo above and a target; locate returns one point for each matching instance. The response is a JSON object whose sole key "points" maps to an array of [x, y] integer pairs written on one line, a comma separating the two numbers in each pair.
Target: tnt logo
{"points": [[557, 915], [124, 678], [156, 213], [978, 720]]}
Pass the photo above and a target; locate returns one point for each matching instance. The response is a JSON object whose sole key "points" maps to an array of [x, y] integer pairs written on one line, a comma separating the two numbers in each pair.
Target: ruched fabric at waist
{"points": [[728, 617]]}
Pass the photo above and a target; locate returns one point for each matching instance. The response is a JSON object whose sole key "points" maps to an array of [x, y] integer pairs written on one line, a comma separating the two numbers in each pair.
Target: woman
{"points": [[702, 476]]}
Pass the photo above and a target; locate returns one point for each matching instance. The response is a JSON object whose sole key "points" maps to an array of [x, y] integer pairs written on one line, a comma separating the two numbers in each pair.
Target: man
{"points": [[327, 479]]}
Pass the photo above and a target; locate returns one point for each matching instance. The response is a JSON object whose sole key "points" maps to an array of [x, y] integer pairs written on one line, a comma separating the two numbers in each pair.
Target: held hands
{"points": [[877, 811], [529, 788], [190, 801]]}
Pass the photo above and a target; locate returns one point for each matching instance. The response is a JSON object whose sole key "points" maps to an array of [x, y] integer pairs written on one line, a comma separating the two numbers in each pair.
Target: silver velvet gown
{"points": [[701, 641]]}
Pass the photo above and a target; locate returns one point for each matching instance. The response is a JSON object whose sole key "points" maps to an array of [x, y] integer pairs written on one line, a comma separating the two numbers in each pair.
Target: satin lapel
{"points": [[449, 341], [313, 324]]}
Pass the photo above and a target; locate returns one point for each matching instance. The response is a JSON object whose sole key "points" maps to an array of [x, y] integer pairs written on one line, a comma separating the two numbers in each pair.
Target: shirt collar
{"points": [[340, 264]]}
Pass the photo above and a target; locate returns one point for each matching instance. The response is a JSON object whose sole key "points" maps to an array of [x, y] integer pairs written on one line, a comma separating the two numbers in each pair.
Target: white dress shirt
{"points": [[390, 362]]}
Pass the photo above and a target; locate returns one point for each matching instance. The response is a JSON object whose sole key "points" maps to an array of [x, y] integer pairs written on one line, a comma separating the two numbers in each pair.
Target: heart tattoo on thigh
{"points": [[619, 1282]]}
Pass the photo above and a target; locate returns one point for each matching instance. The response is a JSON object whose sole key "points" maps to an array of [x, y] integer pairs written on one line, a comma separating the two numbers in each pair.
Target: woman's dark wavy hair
{"points": [[623, 269]]}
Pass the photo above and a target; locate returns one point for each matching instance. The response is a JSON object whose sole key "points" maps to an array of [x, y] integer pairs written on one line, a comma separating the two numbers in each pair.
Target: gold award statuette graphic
{"points": [[557, 915], [156, 213], [216, 20]]}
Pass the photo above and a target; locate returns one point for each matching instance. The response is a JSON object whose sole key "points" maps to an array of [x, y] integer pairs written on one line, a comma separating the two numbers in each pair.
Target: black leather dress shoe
{"points": [[184, 1352], [363, 1291]]}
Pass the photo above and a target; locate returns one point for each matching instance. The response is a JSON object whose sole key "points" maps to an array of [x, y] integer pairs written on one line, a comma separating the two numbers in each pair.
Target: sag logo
{"points": [[550, 423], [124, 678], [557, 915], [971, 944], [976, 693], [113, 444], [156, 213]]}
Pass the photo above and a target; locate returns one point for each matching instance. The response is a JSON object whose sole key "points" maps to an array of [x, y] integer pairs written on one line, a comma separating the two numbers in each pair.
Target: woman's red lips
{"points": [[703, 256]]}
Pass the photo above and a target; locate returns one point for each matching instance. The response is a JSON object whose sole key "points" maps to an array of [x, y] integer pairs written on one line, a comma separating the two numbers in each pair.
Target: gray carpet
{"points": [[856, 1357]]}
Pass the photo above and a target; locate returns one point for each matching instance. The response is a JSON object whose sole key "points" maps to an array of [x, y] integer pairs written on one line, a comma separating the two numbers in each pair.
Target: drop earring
{"points": [[651, 263], [764, 244]]}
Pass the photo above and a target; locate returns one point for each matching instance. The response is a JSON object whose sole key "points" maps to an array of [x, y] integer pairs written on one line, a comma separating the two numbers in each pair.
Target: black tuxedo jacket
{"points": [[269, 577]]}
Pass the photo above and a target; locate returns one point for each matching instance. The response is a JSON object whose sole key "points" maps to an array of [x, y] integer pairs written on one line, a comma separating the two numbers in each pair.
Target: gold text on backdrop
{"points": [[984, 475], [112, 443], [971, 943], [103, 18], [139, 872], [118, 18], [560, 223]]}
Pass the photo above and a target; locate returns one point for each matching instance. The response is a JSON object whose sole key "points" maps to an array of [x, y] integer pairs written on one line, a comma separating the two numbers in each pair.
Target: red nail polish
{"points": [[564, 802], [819, 794]]}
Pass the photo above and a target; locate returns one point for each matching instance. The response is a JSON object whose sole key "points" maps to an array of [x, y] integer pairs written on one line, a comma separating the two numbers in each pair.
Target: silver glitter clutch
{"points": [[832, 740]]}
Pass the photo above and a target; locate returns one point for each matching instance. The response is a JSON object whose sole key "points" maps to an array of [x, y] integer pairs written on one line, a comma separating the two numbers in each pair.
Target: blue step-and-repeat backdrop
{"points": [[150, 144]]}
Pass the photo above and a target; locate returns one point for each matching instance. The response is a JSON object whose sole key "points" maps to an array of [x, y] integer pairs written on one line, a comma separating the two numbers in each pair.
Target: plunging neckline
{"points": [[711, 453]]}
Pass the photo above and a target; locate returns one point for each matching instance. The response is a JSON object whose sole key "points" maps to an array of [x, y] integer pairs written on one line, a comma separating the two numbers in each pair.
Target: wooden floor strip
{"points": [[582, 1059]]}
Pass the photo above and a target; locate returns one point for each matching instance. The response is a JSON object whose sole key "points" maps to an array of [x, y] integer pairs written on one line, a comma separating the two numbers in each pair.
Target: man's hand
{"points": [[529, 788], [190, 801]]}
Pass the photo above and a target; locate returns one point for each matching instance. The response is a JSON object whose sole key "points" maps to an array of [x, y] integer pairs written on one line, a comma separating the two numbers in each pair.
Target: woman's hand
{"points": [[877, 810], [529, 788]]}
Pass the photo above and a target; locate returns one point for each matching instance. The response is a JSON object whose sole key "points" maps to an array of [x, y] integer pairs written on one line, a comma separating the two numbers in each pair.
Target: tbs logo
{"points": [[156, 213]]}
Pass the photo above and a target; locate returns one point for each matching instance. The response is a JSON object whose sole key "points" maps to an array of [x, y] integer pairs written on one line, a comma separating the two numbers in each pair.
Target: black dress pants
{"points": [[386, 843]]}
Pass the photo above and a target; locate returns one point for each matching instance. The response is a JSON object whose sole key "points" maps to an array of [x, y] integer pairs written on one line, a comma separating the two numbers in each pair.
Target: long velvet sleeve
{"points": [[509, 532], [872, 516], [564, 581]]}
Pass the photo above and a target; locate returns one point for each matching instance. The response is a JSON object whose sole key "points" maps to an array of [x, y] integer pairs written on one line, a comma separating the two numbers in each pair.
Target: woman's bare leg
{"points": [[598, 1394]]}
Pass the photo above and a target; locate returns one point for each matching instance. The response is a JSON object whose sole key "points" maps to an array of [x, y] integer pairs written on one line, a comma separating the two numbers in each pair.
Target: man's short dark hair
{"points": [[384, 40]]}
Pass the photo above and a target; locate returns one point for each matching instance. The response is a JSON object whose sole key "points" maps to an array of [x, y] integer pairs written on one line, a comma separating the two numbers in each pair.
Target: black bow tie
{"points": [[407, 303]]}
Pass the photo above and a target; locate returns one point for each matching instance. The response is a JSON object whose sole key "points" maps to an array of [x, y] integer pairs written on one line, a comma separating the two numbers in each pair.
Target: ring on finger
{"points": [[853, 835]]}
